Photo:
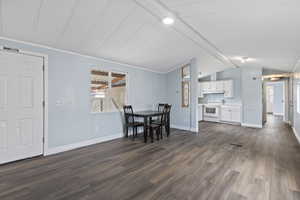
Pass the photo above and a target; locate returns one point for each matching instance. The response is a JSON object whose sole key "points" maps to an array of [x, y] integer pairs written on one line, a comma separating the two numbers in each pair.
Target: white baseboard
{"points": [[194, 130], [296, 134], [252, 125], [56, 150], [181, 127]]}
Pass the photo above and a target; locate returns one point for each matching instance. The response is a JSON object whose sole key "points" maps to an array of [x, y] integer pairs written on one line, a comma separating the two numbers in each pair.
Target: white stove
{"points": [[211, 111]]}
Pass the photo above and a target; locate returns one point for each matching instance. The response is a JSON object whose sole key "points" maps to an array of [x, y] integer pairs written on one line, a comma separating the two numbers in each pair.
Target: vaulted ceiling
{"points": [[130, 31]]}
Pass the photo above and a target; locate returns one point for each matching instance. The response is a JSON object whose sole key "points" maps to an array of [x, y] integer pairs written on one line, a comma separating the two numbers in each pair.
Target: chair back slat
{"points": [[128, 111], [166, 112], [161, 107]]}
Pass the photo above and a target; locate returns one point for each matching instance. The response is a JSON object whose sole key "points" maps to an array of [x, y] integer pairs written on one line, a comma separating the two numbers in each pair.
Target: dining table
{"points": [[147, 116]]}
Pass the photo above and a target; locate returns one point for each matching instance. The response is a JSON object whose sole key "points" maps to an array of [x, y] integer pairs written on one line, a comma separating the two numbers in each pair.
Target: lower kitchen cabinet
{"points": [[231, 114]]}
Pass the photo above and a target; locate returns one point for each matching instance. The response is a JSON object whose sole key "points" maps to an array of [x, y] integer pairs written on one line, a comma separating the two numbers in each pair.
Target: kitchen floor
{"points": [[221, 162]]}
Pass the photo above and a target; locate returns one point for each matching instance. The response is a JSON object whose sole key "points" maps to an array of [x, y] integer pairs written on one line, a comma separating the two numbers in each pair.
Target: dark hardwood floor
{"points": [[222, 162]]}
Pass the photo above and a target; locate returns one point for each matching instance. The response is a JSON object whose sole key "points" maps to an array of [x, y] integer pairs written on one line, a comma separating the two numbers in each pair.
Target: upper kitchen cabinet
{"points": [[216, 87], [201, 95], [206, 87], [219, 85], [228, 89]]}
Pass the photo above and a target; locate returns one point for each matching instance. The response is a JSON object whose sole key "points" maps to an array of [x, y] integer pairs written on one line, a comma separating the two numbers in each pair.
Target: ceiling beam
{"points": [[113, 81], [159, 10], [99, 73], [99, 82]]}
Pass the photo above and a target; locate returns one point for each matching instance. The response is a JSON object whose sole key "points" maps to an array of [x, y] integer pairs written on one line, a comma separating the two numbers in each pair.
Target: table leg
{"points": [[145, 129], [168, 125], [126, 131]]}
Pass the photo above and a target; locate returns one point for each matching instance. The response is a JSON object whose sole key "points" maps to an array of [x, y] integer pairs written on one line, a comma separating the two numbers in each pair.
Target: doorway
{"points": [[270, 99], [275, 98], [21, 106]]}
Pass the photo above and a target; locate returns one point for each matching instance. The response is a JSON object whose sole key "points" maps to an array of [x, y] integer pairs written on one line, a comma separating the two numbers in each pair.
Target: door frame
{"points": [[284, 97], [268, 98], [45, 90]]}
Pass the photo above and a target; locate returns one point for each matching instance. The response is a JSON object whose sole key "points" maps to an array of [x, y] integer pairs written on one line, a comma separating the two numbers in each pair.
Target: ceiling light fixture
{"points": [[244, 59], [275, 79], [168, 21]]}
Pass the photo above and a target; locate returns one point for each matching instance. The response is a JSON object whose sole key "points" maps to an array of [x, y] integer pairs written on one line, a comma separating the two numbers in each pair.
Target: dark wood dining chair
{"points": [[130, 121], [158, 124], [160, 108], [164, 120]]}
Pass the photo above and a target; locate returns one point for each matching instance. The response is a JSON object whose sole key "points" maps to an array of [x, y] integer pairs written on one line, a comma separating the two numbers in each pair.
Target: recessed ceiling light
{"points": [[168, 21], [244, 59]]}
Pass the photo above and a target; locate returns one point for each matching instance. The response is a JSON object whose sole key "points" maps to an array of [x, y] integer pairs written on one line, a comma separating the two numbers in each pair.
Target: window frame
{"points": [[109, 86]]}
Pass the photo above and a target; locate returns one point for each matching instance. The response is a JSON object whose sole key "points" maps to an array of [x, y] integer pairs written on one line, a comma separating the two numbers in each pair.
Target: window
{"points": [[298, 97], [185, 86], [108, 91]]}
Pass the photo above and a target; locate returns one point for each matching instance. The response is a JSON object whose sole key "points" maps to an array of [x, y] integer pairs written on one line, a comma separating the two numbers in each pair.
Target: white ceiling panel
{"points": [[54, 16], [85, 17], [115, 14], [131, 31], [265, 30], [18, 18]]}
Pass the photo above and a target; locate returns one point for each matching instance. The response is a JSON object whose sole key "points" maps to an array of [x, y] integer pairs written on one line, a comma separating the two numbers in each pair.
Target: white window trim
{"points": [[109, 84]]}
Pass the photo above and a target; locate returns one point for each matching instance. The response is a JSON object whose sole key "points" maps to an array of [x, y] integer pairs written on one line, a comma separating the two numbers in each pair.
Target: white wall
{"points": [[251, 90], [71, 123], [278, 99], [180, 117], [296, 124], [194, 94]]}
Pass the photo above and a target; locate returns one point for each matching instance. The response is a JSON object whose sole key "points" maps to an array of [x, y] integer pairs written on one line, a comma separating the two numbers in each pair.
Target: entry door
{"points": [[21, 106], [270, 99]]}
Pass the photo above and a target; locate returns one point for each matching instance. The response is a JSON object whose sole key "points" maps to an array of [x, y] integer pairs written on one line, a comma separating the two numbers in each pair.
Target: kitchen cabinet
{"points": [[225, 114], [231, 114], [212, 86], [236, 114], [217, 87], [220, 85], [228, 89], [201, 95], [205, 86]]}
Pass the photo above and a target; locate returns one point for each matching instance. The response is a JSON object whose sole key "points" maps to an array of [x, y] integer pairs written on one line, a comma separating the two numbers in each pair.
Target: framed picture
{"points": [[185, 94]]}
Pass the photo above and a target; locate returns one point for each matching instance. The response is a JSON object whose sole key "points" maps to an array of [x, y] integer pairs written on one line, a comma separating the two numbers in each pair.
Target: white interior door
{"points": [[270, 99], [21, 106]]}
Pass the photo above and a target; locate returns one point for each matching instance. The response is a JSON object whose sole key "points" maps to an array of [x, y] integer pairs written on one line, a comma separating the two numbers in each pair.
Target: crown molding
{"points": [[82, 55]]}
